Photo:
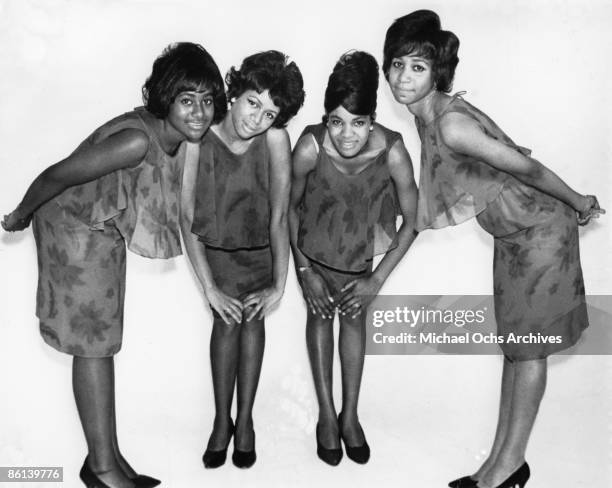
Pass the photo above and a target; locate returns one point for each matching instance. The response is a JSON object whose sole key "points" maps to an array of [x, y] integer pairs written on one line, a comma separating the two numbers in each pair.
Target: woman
{"points": [[470, 168], [120, 187], [351, 178], [241, 252]]}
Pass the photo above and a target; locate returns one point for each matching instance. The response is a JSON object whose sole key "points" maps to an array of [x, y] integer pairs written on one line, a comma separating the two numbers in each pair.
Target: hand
{"points": [[15, 221], [227, 307], [260, 302], [589, 210], [357, 295], [316, 293]]}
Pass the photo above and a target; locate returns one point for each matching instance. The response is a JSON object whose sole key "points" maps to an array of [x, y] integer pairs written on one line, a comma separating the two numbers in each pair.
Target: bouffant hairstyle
{"points": [[269, 70], [353, 84], [420, 34], [183, 66]]}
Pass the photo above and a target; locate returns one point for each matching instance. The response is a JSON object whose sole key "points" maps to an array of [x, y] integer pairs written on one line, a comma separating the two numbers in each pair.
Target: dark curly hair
{"points": [[419, 33], [183, 66], [269, 70], [353, 84]]}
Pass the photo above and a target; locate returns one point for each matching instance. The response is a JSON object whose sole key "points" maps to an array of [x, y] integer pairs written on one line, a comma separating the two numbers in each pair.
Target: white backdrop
{"points": [[541, 69]]}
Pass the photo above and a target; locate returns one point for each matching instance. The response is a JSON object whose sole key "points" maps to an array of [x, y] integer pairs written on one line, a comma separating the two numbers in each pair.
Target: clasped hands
{"points": [[353, 299], [255, 305]]}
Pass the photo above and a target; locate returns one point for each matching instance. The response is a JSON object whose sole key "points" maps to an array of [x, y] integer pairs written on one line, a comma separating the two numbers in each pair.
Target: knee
{"points": [[318, 323], [225, 330], [352, 324]]}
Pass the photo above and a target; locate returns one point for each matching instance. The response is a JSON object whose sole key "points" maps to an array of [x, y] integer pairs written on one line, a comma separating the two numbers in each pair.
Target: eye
{"points": [[418, 68], [208, 101], [397, 64], [185, 101], [359, 123], [270, 115], [251, 102]]}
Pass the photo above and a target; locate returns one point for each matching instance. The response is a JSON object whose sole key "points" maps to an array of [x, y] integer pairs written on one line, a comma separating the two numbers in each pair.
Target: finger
{"points": [[326, 308], [234, 312], [349, 285], [251, 300], [348, 305], [357, 313], [346, 298], [235, 302], [254, 310]]}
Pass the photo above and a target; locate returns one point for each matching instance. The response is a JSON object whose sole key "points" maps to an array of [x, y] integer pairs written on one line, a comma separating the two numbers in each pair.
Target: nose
{"points": [[197, 110], [346, 130], [257, 116], [404, 75]]}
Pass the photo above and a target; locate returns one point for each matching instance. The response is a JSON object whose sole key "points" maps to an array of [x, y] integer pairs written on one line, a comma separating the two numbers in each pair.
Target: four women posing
{"points": [[351, 178]]}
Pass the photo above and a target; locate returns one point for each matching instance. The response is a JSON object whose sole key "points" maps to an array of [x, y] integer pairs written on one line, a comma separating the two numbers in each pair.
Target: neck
{"points": [[169, 137], [425, 108]]}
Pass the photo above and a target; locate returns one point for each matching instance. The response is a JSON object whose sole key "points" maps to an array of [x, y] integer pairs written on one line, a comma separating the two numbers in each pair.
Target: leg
{"points": [[252, 342], [320, 344], [224, 349], [352, 353], [503, 419], [94, 391], [527, 393]]}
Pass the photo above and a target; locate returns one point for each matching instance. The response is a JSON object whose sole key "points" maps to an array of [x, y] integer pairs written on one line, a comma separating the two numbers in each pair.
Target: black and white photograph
{"points": [[295, 244]]}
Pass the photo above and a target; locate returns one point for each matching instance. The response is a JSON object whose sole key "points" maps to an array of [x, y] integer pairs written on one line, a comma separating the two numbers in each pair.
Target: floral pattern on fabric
{"points": [[79, 302], [538, 283], [232, 209], [143, 201], [345, 220], [81, 237]]}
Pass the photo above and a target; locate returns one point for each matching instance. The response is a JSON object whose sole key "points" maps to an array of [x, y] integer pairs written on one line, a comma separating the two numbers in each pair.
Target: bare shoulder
{"points": [[134, 143], [459, 131], [305, 154], [277, 138]]}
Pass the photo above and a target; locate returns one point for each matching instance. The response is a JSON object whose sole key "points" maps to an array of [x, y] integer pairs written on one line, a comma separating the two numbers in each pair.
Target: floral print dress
{"points": [[232, 214], [539, 292], [81, 237]]}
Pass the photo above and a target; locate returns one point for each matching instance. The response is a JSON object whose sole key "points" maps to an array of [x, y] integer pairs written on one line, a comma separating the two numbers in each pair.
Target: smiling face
{"points": [[410, 78], [348, 132], [253, 113], [191, 113]]}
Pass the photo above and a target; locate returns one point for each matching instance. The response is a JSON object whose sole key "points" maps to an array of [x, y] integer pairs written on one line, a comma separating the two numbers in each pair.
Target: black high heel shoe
{"points": [[244, 459], [359, 454], [464, 482], [329, 456], [144, 481], [519, 477], [214, 459], [90, 478]]}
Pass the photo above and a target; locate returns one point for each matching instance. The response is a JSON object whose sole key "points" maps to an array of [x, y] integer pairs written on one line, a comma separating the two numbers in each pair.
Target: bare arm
{"points": [[315, 290], [280, 185], [124, 149], [400, 168], [463, 135], [228, 308]]}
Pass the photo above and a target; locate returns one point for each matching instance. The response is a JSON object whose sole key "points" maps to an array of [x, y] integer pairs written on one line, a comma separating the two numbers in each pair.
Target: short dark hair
{"points": [[269, 70], [420, 33], [353, 84], [183, 66]]}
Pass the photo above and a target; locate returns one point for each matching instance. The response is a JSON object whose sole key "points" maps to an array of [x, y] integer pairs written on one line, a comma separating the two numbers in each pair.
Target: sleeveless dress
{"points": [[345, 220], [232, 214], [81, 236], [538, 287]]}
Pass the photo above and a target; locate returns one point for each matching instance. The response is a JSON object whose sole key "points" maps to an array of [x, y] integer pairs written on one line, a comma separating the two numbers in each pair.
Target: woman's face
{"points": [[348, 132], [253, 113], [410, 78], [191, 113]]}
